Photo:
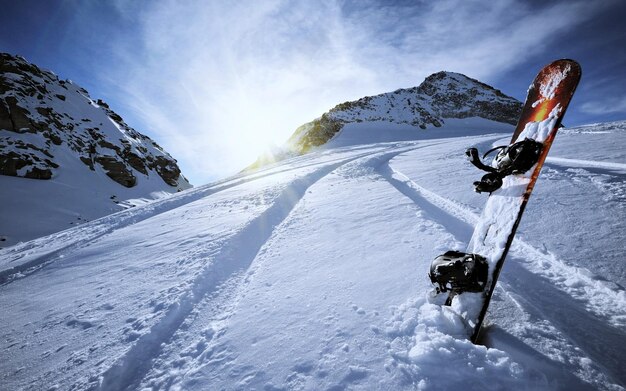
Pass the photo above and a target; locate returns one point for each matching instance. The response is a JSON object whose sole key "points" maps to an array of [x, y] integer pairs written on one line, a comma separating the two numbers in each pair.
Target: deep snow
{"points": [[312, 274]]}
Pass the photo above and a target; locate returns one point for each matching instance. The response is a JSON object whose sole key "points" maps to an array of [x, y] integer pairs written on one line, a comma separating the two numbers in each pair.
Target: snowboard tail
{"points": [[548, 98]]}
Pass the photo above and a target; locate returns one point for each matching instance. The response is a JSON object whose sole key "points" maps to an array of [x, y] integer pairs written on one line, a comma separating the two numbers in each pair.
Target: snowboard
{"points": [[546, 102]]}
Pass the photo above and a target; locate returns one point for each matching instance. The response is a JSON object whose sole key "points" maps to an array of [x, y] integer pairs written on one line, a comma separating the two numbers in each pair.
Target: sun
{"points": [[258, 137]]}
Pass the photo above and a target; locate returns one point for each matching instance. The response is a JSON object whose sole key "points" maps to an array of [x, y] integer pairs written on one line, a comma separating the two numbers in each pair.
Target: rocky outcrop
{"points": [[117, 170], [317, 132], [43, 118]]}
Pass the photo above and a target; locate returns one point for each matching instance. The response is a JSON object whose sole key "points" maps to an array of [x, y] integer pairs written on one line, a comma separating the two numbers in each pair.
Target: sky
{"points": [[216, 83]]}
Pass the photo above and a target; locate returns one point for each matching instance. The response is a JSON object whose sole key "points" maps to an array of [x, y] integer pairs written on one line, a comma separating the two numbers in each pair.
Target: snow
{"points": [[312, 274], [423, 105], [548, 90], [539, 130]]}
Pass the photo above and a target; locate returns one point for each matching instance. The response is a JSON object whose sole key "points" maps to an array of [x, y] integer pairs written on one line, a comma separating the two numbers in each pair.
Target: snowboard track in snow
{"points": [[598, 340], [220, 306], [92, 231], [236, 257], [592, 166]]}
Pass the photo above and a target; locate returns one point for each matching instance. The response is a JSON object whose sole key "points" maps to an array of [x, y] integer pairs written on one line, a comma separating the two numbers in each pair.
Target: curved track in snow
{"points": [[21, 260], [231, 263]]}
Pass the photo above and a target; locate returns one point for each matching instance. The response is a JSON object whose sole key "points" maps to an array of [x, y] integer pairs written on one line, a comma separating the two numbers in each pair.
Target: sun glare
{"points": [[258, 135]]}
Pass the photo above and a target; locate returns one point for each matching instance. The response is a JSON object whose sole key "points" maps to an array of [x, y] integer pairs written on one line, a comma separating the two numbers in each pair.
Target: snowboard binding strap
{"points": [[516, 158], [459, 272]]}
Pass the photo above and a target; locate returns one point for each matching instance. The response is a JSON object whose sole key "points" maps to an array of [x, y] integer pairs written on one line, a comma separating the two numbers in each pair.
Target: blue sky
{"points": [[215, 82]]}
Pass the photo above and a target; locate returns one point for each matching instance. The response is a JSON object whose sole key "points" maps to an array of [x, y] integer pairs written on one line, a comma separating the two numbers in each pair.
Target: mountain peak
{"points": [[441, 96], [452, 81]]}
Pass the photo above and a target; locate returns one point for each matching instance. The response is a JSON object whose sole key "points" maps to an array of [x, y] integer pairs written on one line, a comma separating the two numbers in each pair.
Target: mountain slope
{"points": [[311, 274], [58, 144]]}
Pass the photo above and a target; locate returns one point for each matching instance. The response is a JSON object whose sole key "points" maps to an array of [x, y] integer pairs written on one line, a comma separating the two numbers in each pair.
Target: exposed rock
{"points": [[168, 170], [317, 132], [18, 158], [38, 173], [11, 162], [458, 96], [137, 162], [88, 162], [61, 115], [117, 170], [5, 117], [17, 117]]}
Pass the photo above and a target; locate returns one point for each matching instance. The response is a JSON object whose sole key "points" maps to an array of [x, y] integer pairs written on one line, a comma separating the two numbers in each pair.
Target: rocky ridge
{"points": [[46, 122], [442, 95]]}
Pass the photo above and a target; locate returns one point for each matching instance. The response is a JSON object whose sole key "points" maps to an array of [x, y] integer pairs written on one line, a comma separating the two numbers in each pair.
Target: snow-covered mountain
{"points": [[440, 97], [311, 274], [65, 158]]}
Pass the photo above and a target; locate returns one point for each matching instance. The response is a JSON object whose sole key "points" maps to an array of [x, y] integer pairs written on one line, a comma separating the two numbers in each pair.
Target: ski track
{"points": [[227, 270], [535, 340], [599, 342], [219, 307], [81, 236], [237, 255], [609, 178], [601, 167], [214, 309], [593, 300]]}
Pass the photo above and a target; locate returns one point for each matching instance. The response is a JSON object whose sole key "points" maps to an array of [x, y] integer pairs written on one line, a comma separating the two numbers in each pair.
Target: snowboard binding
{"points": [[516, 158], [459, 272]]}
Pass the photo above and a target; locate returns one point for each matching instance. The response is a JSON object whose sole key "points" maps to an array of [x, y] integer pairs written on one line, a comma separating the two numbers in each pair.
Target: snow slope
{"points": [[311, 274]]}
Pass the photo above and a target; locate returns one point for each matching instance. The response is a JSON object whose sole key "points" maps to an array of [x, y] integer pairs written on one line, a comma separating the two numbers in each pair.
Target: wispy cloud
{"points": [[606, 106], [214, 81]]}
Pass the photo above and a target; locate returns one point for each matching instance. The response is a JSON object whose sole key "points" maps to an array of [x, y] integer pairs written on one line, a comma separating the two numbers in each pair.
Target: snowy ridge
{"points": [[607, 166], [311, 274], [443, 98], [44, 118]]}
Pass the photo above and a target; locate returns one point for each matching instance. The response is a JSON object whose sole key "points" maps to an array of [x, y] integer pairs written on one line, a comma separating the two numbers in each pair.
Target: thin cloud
{"points": [[215, 81], [605, 106]]}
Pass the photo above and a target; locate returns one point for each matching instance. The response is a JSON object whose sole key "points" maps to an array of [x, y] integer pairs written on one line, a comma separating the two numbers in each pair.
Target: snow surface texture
{"points": [[312, 274]]}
